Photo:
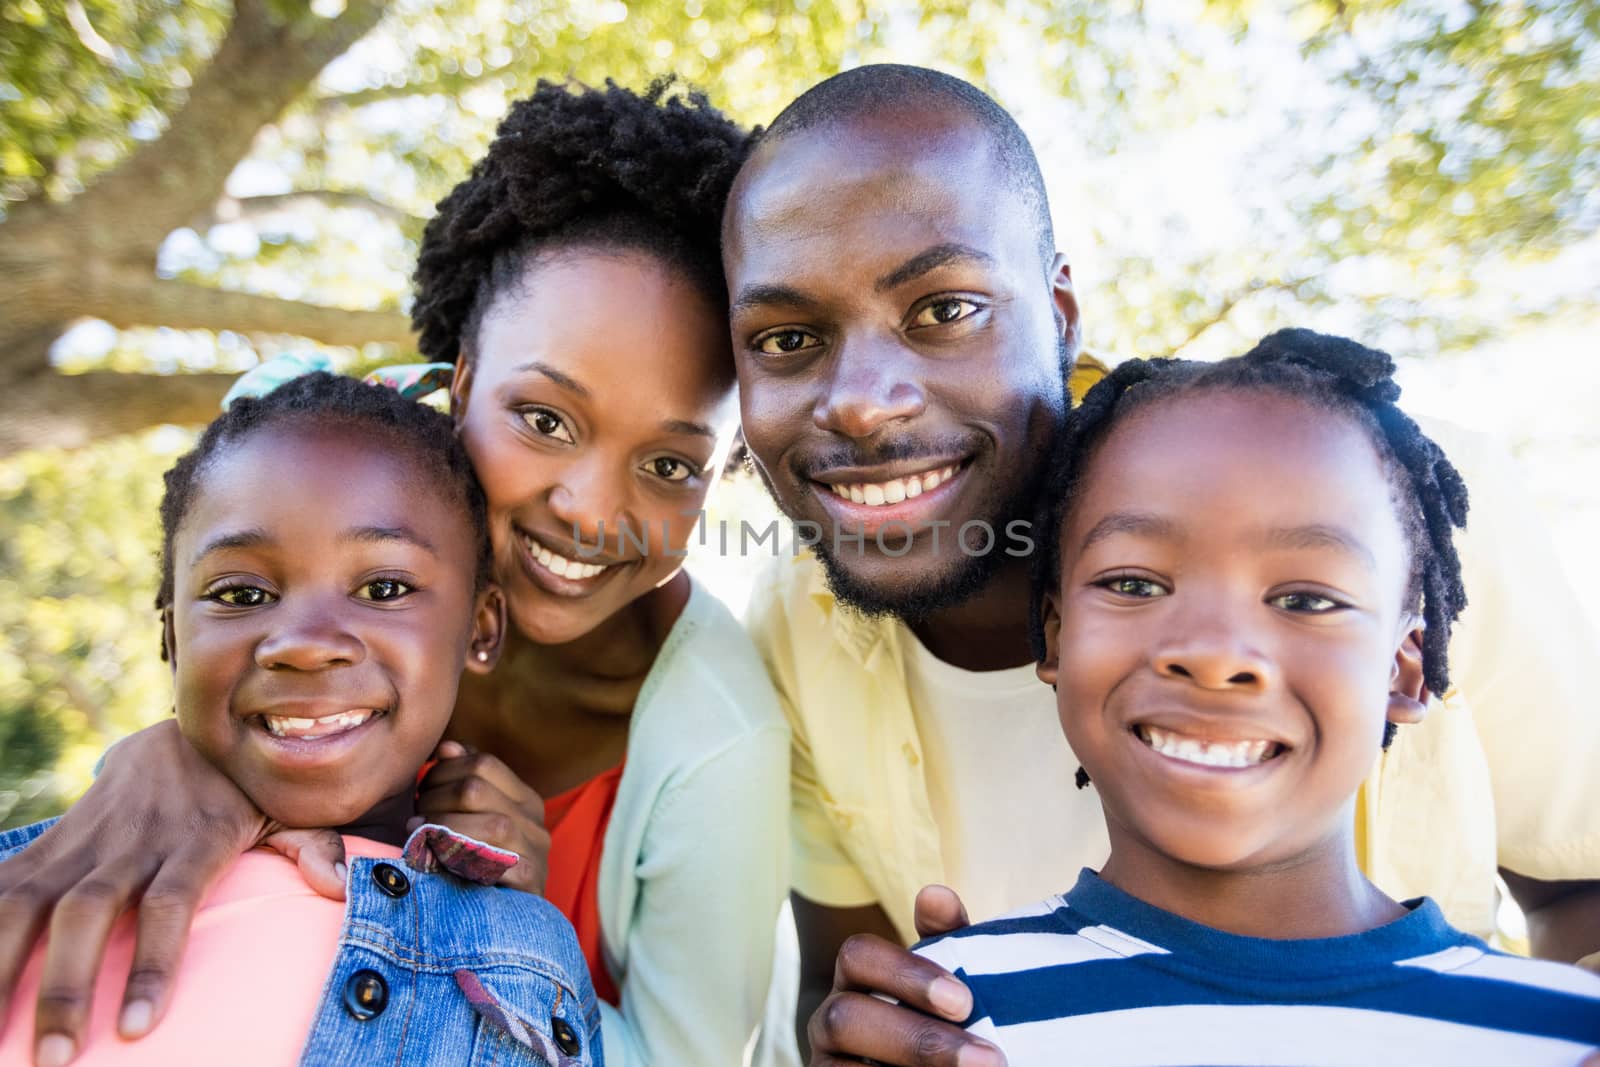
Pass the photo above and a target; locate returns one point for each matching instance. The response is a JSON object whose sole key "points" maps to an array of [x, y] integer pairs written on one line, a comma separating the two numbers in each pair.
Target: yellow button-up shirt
{"points": [[1505, 771]]}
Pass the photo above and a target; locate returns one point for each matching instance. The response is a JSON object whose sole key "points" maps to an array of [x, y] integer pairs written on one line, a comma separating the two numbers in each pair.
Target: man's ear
{"points": [[488, 630], [1050, 618], [169, 639], [1066, 301], [1408, 694], [460, 387]]}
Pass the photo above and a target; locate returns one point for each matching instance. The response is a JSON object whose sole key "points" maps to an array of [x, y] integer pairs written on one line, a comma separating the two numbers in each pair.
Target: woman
{"points": [[574, 281]]}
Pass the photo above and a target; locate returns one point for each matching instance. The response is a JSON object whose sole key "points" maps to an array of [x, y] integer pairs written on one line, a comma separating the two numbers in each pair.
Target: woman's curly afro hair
{"points": [[572, 165]]}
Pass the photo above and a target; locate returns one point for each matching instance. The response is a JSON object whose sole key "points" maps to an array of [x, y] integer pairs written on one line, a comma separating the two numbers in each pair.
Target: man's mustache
{"points": [[945, 447]]}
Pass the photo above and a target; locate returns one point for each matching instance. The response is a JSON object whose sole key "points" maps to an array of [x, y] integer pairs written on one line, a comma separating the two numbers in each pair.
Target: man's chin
{"points": [[878, 585]]}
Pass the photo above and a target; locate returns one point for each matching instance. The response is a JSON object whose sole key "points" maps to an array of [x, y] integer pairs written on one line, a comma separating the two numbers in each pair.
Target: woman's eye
{"points": [[242, 596], [1142, 588], [1305, 603], [673, 470], [547, 423], [783, 342], [943, 312], [383, 589]]}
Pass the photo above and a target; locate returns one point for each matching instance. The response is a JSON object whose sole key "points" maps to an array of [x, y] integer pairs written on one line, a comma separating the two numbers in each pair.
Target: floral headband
{"points": [[411, 380]]}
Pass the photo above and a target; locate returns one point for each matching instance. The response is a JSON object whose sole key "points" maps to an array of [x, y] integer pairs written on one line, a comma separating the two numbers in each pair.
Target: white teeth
{"points": [[313, 729], [561, 565], [878, 494], [1206, 753]]}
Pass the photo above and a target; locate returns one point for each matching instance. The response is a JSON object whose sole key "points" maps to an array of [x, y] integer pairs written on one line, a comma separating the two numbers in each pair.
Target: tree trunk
{"points": [[52, 410]]}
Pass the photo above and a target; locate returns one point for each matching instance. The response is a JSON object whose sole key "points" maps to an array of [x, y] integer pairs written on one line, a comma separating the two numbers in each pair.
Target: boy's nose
{"points": [[1216, 659], [310, 642]]}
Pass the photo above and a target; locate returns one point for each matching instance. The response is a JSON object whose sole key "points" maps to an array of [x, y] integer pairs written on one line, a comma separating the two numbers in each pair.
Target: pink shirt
{"points": [[252, 975]]}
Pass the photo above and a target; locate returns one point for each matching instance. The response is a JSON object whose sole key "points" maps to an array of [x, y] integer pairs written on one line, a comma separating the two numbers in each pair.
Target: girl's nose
{"points": [[309, 640]]}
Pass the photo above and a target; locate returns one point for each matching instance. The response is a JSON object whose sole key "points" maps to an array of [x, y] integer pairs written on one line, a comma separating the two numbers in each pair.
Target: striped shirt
{"points": [[1099, 977]]}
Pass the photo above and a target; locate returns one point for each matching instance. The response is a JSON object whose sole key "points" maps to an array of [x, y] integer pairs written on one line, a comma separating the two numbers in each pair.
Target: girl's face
{"points": [[1229, 627], [598, 412], [323, 605]]}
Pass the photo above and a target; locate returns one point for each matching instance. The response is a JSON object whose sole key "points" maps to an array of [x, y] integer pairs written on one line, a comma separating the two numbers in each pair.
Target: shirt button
{"points": [[366, 994], [911, 754], [566, 1039], [390, 880]]}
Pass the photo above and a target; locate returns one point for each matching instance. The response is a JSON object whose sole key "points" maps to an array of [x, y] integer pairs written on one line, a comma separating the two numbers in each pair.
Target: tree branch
{"points": [[1232, 300], [52, 410], [449, 85], [182, 305], [253, 207]]}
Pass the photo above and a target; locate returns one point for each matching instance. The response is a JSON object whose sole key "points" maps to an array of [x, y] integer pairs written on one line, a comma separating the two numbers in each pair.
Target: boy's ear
{"points": [[1050, 617], [488, 630], [1408, 694], [169, 639], [460, 386]]}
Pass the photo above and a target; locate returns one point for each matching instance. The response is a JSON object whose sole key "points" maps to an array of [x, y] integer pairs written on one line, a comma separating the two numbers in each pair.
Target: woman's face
{"points": [[598, 412]]}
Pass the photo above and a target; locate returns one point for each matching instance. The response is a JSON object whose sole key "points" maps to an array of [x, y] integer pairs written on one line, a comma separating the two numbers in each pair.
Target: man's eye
{"points": [[942, 312], [673, 470], [547, 423], [1305, 603], [383, 589], [1142, 588], [242, 596], [783, 342]]}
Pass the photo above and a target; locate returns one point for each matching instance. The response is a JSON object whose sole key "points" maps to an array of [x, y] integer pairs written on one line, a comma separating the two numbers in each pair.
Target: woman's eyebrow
{"points": [[698, 429], [565, 381]]}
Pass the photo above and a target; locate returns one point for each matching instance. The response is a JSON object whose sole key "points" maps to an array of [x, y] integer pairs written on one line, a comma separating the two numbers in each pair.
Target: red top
{"points": [[577, 821]]}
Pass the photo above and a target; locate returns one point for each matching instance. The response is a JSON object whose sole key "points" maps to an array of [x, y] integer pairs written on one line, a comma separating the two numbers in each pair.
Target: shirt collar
{"points": [[866, 638]]}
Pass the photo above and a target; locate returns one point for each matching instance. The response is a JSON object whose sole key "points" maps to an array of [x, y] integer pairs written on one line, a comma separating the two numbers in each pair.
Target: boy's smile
{"points": [[1229, 626], [324, 601]]}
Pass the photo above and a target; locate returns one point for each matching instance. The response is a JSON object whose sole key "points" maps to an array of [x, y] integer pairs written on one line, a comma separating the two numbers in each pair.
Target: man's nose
{"points": [[875, 381]]}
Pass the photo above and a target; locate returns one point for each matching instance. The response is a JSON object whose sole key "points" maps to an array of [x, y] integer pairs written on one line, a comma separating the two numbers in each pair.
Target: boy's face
{"points": [[323, 605], [1229, 627]]}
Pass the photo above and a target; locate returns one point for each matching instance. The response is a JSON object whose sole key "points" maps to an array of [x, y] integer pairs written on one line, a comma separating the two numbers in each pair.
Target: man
{"points": [[902, 326]]}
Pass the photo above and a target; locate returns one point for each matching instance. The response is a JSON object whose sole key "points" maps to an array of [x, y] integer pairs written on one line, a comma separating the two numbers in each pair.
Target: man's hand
{"points": [[473, 793], [156, 829], [853, 1024]]}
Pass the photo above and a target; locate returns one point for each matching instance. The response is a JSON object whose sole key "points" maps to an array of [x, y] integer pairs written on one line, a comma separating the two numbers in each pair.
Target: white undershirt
{"points": [[1013, 826]]}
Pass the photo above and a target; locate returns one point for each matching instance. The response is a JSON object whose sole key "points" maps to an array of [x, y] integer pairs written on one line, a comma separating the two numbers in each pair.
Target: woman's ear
{"points": [[460, 387], [1050, 619], [488, 630], [1408, 694]]}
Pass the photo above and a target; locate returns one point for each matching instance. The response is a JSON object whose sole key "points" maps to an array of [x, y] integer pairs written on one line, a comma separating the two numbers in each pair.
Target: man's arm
{"points": [[847, 955], [1563, 917]]}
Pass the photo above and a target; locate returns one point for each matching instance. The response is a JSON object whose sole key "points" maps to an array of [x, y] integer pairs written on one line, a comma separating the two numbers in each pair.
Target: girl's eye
{"points": [[1305, 603], [1138, 588], [943, 312], [383, 589], [547, 423], [783, 342], [670, 469], [241, 596]]}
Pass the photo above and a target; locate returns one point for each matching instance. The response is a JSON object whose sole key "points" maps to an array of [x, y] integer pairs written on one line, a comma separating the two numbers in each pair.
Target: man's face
{"points": [[900, 348]]}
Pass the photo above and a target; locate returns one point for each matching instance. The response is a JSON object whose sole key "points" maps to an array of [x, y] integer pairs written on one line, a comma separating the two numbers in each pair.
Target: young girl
{"points": [[628, 746], [1250, 582], [324, 580]]}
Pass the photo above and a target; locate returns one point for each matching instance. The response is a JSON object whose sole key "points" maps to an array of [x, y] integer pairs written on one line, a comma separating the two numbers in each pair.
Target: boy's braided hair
{"points": [[1335, 372]]}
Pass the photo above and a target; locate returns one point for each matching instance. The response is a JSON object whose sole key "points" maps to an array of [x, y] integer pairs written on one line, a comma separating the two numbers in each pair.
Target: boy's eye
{"points": [[383, 589], [241, 596], [547, 423], [942, 312], [1142, 588], [670, 469], [1305, 603], [783, 342]]}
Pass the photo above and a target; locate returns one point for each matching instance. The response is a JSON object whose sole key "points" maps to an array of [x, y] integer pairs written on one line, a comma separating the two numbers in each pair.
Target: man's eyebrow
{"points": [[372, 535], [1135, 523], [698, 429], [565, 381], [752, 296], [237, 539], [1320, 535], [932, 259]]}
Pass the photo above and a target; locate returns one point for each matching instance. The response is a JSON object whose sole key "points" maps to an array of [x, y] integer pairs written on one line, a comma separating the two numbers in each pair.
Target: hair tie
{"points": [[411, 380]]}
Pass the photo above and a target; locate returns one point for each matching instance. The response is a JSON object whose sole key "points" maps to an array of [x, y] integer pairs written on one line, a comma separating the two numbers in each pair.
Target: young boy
{"points": [[1248, 583]]}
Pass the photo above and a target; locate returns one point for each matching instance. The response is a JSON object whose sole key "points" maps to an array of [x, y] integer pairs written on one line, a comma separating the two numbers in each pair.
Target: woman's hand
{"points": [[156, 829], [475, 794]]}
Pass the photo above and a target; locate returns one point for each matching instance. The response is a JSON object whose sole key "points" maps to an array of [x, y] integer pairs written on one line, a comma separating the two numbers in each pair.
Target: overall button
{"points": [[391, 880], [366, 994], [566, 1039]]}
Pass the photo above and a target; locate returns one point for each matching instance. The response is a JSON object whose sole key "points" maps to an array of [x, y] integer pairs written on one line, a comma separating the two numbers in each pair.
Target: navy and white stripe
{"points": [[1100, 977]]}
